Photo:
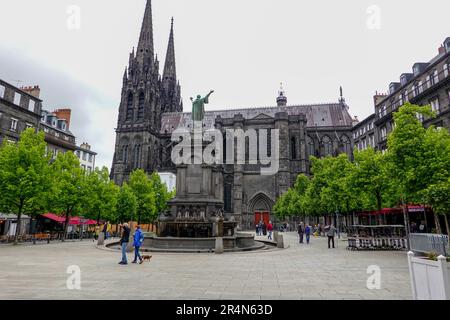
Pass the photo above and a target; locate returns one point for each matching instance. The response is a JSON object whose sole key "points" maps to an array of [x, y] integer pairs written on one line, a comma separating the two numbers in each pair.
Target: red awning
{"points": [[72, 221], [53, 217]]}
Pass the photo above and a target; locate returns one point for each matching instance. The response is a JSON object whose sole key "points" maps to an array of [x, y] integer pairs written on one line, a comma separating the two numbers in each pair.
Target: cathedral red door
{"points": [[262, 215]]}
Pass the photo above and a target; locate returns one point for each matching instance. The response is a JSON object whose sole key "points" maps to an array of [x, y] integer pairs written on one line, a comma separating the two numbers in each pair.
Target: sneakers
{"points": [[121, 262], [142, 260], [134, 261]]}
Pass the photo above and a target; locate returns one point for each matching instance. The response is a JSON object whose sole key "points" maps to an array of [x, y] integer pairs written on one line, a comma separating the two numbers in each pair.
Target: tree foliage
{"points": [[24, 175]]}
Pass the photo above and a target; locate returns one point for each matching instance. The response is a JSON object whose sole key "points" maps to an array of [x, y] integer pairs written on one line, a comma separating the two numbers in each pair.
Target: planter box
{"points": [[429, 279]]}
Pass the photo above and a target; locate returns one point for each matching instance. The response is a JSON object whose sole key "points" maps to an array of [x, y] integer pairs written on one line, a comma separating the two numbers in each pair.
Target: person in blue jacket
{"points": [[137, 243]]}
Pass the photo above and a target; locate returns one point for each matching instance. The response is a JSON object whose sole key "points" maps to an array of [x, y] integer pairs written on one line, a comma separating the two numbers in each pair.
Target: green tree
{"points": [[70, 188], [24, 174], [371, 177], [419, 157], [101, 195], [436, 158], [162, 195], [126, 204], [142, 188]]}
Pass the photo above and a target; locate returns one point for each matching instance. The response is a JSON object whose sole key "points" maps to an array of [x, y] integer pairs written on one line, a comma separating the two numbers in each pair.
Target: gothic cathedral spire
{"points": [[170, 73], [145, 46], [169, 81]]}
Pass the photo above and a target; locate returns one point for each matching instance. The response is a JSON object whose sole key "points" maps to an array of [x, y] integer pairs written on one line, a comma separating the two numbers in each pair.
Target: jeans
{"points": [[307, 238], [137, 254], [124, 252], [301, 237], [270, 234], [330, 239]]}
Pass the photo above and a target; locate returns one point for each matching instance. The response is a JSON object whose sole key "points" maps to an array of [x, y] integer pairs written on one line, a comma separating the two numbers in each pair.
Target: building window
{"points": [[90, 157], [435, 77], [129, 115], [141, 106], [400, 100], [419, 116], [17, 98], [89, 169], [311, 148], [415, 90], [2, 91], [327, 146], [346, 147], [29, 125], [84, 156], [31, 104], [78, 154], [405, 96], [293, 148], [383, 132], [445, 71], [227, 197], [137, 156], [435, 105], [14, 123], [125, 154], [420, 86]]}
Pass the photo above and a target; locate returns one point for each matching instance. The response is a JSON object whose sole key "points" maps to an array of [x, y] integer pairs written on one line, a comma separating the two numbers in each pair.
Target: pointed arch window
{"points": [[293, 148], [311, 148], [141, 106], [137, 156], [346, 146], [129, 115], [327, 146], [125, 154]]}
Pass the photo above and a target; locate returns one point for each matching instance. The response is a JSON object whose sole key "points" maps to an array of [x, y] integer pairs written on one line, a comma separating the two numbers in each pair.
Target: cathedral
{"points": [[151, 109]]}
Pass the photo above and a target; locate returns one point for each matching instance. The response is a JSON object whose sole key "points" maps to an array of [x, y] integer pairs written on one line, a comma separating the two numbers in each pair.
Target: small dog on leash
{"points": [[146, 257]]}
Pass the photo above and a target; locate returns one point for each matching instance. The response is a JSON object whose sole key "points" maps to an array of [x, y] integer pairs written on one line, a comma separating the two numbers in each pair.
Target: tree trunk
{"points": [[406, 221], [19, 223], [447, 227], [66, 226], [379, 205], [437, 222]]}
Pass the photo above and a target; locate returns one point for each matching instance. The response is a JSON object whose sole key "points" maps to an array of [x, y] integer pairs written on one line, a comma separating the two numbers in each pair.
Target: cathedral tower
{"points": [[145, 96]]}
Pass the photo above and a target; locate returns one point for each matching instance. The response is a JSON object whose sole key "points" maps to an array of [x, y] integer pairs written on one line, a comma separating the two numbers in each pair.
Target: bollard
{"points": [[280, 242], [101, 239], [219, 245]]}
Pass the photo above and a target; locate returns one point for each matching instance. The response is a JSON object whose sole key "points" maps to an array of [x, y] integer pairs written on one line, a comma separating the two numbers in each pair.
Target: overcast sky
{"points": [[242, 49]]}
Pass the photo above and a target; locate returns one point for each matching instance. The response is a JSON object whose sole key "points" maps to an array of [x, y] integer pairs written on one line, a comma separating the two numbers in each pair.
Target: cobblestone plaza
{"points": [[296, 272]]}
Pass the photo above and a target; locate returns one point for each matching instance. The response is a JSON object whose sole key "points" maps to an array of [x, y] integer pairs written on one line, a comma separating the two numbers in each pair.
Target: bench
{"points": [[41, 237]]}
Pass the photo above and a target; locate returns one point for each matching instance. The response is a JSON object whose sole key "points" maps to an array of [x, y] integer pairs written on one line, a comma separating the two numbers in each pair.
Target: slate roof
{"points": [[320, 115]]}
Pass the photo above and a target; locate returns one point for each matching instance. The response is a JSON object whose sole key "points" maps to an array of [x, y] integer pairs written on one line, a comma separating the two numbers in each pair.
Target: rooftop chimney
{"points": [[441, 49], [378, 97], [35, 91], [64, 114]]}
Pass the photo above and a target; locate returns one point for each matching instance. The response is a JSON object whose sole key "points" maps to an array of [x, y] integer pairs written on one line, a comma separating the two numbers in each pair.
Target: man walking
{"points": [[270, 229], [124, 242], [104, 230], [330, 233], [301, 232], [138, 239], [307, 233]]}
